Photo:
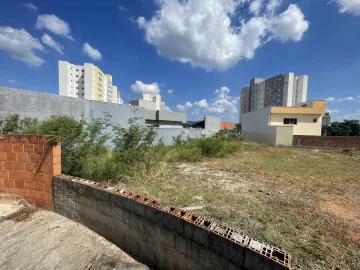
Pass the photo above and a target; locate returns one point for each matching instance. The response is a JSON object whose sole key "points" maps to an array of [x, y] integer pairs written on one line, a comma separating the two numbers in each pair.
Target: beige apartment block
{"points": [[277, 125]]}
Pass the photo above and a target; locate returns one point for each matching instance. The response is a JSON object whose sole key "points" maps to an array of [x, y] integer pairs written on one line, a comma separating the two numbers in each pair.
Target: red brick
{"points": [[13, 191], [3, 138], [23, 156], [24, 139], [3, 189], [43, 177], [24, 192], [7, 147], [19, 184], [34, 139], [29, 148], [56, 169], [30, 185], [13, 139], [43, 140], [2, 165], [56, 150], [48, 188], [2, 182], [18, 148], [23, 175], [9, 183], [8, 165], [29, 166], [34, 157], [2, 156], [39, 186], [19, 166], [4, 174], [31, 200], [39, 149], [1, 147], [40, 203], [42, 195], [11, 156], [14, 175], [32, 193]]}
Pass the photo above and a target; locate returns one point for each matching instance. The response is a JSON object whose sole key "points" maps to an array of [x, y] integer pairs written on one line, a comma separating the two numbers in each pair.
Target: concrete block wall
{"points": [[327, 141], [27, 165], [159, 235]]}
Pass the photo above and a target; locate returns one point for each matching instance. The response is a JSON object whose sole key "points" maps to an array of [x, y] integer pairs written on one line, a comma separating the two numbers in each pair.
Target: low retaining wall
{"points": [[27, 165], [159, 235], [327, 141]]}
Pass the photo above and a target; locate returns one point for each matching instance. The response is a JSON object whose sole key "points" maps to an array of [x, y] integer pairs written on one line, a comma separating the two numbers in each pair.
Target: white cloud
{"points": [[184, 107], [93, 53], [170, 91], [48, 40], [222, 103], [346, 99], [255, 6], [141, 88], [349, 6], [181, 108], [273, 5], [11, 81], [188, 104], [121, 8], [164, 107], [54, 24], [291, 24], [30, 6], [20, 45], [205, 33], [331, 99], [333, 111], [202, 103]]}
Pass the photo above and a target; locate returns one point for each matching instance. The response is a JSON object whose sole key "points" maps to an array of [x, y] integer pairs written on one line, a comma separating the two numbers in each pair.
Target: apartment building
{"points": [[87, 82], [283, 90]]}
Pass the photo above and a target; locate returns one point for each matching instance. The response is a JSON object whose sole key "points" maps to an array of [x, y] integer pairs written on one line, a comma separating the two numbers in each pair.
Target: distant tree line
{"points": [[345, 128]]}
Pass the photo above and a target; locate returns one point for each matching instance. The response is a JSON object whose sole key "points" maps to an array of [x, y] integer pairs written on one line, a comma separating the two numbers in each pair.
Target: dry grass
{"points": [[304, 201]]}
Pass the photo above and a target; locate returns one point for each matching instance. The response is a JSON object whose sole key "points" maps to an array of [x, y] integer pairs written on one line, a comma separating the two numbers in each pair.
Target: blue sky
{"points": [[203, 50]]}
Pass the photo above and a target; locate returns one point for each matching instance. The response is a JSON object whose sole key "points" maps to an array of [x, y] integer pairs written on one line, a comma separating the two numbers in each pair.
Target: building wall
{"points": [[244, 101], [257, 121], [300, 89], [305, 125]]}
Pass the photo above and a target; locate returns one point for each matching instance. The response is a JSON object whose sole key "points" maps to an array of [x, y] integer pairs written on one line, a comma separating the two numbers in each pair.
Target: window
{"points": [[314, 120], [290, 121]]}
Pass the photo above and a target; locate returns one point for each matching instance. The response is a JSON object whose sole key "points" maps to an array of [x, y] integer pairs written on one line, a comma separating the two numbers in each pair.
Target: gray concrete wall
{"points": [[167, 134], [161, 236], [42, 105]]}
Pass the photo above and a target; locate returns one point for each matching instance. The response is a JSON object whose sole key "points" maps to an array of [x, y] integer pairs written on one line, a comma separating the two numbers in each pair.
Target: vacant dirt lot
{"points": [[303, 200]]}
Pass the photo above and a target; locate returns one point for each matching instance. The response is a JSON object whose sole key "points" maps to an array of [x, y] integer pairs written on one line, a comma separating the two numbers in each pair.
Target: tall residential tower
{"points": [[284, 90], [87, 82]]}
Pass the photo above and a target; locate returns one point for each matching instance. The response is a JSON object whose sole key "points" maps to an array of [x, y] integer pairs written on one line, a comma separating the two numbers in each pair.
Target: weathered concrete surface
{"points": [[46, 240]]}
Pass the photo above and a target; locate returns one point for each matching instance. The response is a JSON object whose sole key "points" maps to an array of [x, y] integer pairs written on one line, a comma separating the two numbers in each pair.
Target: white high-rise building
{"points": [[87, 82], [284, 90]]}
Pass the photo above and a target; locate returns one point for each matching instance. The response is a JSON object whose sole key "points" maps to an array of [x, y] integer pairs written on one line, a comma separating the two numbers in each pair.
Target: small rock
{"points": [[269, 193], [280, 192], [259, 190]]}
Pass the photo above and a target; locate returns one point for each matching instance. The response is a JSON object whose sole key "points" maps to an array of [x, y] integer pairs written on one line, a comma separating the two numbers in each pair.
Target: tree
{"points": [[346, 128]]}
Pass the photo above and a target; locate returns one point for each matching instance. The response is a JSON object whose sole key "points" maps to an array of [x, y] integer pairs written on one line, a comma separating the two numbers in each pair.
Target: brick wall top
{"points": [[101, 207], [32, 139]]}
